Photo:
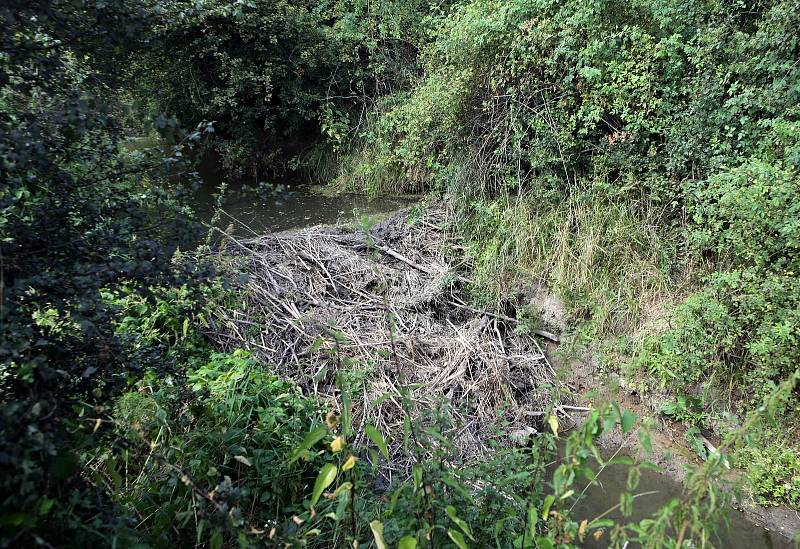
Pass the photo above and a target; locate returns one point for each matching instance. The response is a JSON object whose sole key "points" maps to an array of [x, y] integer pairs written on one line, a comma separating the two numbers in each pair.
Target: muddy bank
{"points": [[776, 526]]}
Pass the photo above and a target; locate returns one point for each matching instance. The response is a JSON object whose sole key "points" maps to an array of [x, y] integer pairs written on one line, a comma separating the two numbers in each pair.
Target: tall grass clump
{"points": [[610, 262]]}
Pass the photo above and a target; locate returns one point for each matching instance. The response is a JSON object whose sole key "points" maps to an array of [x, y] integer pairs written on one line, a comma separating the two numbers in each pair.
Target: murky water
{"points": [[294, 206], [739, 534]]}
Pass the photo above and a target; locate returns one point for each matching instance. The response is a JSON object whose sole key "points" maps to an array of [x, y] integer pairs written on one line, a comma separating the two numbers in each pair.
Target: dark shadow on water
{"points": [[292, 206]]}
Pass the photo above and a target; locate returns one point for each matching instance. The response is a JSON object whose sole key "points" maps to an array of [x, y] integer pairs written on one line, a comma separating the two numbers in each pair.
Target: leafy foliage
{"points": [[275, 76], [623, 155], [615, 137], [79, 216]]}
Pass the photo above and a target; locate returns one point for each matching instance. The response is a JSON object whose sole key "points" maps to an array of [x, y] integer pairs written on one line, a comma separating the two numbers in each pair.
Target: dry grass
{"points": [[611, 264], [386, 309]]}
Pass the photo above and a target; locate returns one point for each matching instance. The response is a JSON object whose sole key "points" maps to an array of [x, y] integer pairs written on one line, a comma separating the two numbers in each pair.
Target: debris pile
{"points": [[384, 308]]}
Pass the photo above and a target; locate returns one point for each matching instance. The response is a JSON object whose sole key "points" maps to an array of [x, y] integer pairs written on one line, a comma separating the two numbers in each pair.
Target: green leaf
{"points": [[548, 502], [634, 475], [310, 440], [627, 420], [316, 345], [416, 474], [626, 504], [644, 440], [377, 532], [216, 541], [46, 505], [457, 538], [533, 519], [376, 437], [325, 478], [451, 512], [458, 487], [601, 523], [407, 542]]}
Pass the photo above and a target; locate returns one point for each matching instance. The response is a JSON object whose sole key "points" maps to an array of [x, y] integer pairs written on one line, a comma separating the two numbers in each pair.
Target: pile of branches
{"points": [[383, 308]]}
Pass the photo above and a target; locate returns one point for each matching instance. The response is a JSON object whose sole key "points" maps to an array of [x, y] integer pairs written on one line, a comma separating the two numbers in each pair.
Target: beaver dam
{"points": [[386, 307], [385, 310]]}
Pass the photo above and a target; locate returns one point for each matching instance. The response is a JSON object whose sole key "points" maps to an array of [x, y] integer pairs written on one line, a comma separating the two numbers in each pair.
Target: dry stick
{"points": [[413, 436], [681, 534], [612, 509], [547, 335]]}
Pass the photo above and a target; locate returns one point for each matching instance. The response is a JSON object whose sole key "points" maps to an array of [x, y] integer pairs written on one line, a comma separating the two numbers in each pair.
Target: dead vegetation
{"points": [[384, 309]]}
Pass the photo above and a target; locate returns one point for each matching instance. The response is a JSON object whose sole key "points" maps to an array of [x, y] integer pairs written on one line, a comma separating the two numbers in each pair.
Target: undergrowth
{"points": [[640, 160], [608, 261]]}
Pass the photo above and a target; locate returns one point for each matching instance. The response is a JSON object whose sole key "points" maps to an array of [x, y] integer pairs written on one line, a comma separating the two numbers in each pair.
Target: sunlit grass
{"points": [[610, 263]]}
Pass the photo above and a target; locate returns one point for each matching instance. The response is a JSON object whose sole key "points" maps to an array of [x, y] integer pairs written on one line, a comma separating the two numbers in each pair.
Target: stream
{"points": [[293, 205], [740, 533], [296, 207]]}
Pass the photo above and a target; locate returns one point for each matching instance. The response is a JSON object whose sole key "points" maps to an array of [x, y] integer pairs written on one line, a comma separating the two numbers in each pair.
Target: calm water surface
{"points": [[295, 207], [740, 534]]}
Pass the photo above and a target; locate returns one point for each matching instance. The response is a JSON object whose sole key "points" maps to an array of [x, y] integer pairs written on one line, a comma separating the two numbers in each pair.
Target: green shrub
{"points": [[742, 323], [229, 431], [773, 471], [750, 217]]}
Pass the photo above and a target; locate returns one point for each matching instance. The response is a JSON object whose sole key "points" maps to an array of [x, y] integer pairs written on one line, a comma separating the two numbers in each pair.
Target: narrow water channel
{"points": [[740, 533], [294, 206]]}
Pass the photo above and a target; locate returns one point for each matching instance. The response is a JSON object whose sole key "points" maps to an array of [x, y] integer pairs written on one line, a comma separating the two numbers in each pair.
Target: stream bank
{"points": [[752, 525], [418, 270]]}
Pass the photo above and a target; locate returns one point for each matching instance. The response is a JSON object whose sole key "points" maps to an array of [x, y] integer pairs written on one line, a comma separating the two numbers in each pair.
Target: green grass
{"points": [[609, 262]]}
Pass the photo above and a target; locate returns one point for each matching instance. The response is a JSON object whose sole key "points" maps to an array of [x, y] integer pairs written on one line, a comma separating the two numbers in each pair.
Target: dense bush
{"points": [[275, 76], [211, 453], [743, 321], [79, 216]]}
